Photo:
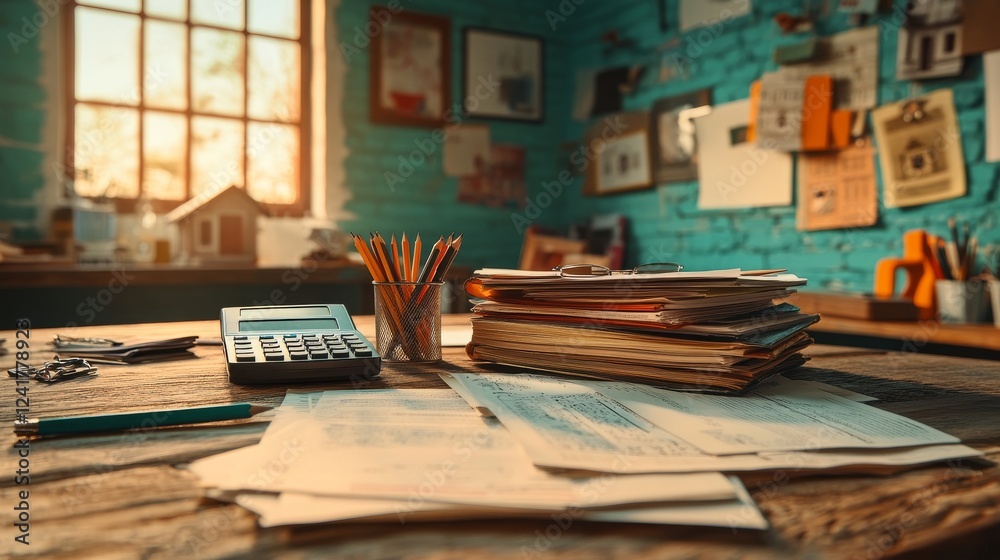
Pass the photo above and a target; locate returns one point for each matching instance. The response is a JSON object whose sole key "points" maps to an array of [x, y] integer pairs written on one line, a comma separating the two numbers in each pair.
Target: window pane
{"points": [[107, 56], [106, 151], [216, 153], [274, 17], [217, 73], [125, 5], [173, 9], [221, 13], [164, 155], [273, 162], [165, 76], [274, 86]]}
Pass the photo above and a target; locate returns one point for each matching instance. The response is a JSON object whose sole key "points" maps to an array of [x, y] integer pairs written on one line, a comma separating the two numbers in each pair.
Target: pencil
{"points": [[415, 268], [396, 268], [405, 263], [131, 420], [431, 260], [448, 259]]}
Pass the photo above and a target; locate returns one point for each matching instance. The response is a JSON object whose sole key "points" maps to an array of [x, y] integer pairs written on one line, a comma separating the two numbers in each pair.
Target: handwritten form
{"points": [[633, 428], [366, 454]]}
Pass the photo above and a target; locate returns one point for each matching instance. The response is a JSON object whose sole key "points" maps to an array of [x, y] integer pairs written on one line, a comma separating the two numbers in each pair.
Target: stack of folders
{"points": [[713, 331]]}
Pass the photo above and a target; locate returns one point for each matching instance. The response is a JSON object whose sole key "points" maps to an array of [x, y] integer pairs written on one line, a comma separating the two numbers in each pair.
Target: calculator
{"points": [[295, 344]]}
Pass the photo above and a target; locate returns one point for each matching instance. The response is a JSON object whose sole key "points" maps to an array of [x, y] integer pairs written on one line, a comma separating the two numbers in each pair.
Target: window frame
{"points": [[299, 208]]}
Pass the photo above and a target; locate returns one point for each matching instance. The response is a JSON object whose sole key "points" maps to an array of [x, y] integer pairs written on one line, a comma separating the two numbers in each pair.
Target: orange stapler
{"points": [[919, 264]]}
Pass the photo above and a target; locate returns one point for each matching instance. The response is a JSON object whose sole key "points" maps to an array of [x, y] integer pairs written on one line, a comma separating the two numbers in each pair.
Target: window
{"points": [[172, 98]]}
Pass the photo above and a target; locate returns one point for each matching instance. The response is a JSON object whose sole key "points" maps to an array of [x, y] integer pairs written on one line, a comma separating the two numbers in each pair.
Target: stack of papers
{"points": [[425, 454], [716, 331]]}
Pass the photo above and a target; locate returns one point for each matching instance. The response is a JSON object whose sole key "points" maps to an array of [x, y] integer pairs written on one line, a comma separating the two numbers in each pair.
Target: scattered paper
{"points": [[733, 173], [851, 59], [920, 150], [625, 427], [426, 443], [466, 150], [991, 70], [837, 189], [292, 508], [702, 13]]}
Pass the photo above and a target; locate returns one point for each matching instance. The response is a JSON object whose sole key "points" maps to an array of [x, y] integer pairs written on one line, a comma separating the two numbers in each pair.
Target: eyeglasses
{"points": [[591, 270]]}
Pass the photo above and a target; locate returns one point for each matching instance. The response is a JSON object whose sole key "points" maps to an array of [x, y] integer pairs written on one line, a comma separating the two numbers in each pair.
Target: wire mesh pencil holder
{"points": [[408, 321]]}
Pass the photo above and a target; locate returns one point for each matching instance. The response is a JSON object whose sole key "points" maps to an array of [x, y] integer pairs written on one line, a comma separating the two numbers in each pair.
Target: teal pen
{"points": [[135, 420]]}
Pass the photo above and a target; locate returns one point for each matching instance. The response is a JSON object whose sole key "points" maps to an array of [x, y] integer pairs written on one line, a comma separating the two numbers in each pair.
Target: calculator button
{"points": [[362, 352], [291, 336], [296, 346], [318, 355], [337, 346], [274, 357], [298, 355], [329, 337], [240, 338], [340, 353], [266, 337], [312, 344], [244, 357]]}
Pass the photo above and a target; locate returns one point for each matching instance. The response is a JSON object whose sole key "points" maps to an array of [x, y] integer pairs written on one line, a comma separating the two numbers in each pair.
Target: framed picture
{"points": [[503, 75], [674, 149], [620, 144], [410, 70]]}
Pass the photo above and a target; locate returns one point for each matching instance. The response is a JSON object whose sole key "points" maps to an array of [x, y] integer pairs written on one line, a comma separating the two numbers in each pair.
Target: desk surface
{"points": [[120, 496]]}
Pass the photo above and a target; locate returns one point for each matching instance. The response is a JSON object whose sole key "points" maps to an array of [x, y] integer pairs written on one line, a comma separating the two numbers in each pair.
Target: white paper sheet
{"points": [[466, 150], [734, 173], [578, 425], [991, 76], [851, 59], [291, 508], [702, 13]]}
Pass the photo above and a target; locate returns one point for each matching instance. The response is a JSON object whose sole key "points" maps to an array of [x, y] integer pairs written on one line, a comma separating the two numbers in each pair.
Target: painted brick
{"points": [[831, 259]]}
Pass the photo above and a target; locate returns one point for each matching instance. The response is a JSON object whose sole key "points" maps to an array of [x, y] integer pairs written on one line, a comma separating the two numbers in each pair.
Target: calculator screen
{"points": [[290, 325]]}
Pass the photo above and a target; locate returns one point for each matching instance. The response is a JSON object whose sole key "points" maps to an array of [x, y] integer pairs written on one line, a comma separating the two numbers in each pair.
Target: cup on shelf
{"points": [[962, 301], [408, 321]]}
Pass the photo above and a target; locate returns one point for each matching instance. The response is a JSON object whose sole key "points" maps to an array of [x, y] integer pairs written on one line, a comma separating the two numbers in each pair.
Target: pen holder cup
{"points": [[408, 321], [962, 301]]}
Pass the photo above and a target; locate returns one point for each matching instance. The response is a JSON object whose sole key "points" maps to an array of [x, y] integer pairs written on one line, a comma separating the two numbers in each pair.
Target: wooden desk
{"points": [[928, 336], [120, 496]]}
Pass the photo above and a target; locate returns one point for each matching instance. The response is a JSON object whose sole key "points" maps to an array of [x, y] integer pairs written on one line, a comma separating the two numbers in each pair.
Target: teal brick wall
{"points": [[665, 221], [426, 201], [22, 114]]}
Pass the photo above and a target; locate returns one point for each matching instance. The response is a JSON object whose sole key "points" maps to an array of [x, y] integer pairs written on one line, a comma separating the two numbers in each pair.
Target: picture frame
{"points": [[410, 70], [674, 149], [503, 75], [620, 148]]}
